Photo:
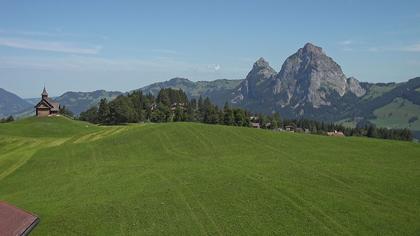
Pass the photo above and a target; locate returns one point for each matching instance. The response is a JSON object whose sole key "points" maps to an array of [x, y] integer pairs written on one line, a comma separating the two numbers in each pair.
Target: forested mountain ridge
{"points": [[218, 90], [11, 104]]}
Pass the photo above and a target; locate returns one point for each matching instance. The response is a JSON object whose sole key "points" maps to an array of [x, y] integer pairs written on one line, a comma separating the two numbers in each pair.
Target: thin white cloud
{"points": [[56, 33], [163, 68], [396, 48], [90, 63], [53, 46], [347, 45], [346, 42], [373, 49], [412, 48], [215, 67], [165, 51], [414, 63]]}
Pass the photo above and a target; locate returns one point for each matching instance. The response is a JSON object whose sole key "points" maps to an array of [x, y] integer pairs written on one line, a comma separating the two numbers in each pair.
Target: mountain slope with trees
{"points": [[172, 105], [11, 104]]}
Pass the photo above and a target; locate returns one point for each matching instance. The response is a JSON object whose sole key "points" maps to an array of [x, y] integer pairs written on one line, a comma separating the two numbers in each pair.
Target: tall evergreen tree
{"points": [[104, 113]]}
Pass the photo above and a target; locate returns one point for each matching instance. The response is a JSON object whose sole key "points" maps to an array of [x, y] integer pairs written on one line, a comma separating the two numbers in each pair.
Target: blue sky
{"points": [[123, 45]]}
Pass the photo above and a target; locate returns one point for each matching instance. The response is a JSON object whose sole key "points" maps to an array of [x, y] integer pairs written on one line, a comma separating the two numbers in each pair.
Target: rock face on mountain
{"points": [[354, 87], [308, 80], [256, 82], [310, 76]]}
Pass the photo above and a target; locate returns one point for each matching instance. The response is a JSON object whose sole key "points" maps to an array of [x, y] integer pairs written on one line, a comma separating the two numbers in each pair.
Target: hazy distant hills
{"points": [[310, 84], [81, 101], [11, 104], [75, 101], [218, 90]]}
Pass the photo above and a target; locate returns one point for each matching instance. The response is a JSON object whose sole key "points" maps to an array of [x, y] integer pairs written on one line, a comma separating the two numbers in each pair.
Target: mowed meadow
{"points": [[197, 179]]}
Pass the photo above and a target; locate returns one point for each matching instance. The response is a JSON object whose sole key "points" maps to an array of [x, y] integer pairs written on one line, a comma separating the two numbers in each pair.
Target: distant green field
{"points": [[196, 179], [398, 112], [378, 90]]}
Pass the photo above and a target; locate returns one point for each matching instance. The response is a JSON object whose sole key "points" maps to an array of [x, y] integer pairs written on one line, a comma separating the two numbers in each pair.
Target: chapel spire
{"points": [[44, 93]]}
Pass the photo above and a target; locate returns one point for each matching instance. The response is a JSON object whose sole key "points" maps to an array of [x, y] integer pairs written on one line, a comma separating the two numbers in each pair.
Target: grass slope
{"points": [[196, 179], [400, 113]]}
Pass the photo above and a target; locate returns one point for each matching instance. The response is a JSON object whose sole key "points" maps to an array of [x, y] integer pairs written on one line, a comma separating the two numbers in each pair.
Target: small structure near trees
{"points": [[255, 125], [290, 128], [47, 106], [336, 134]]}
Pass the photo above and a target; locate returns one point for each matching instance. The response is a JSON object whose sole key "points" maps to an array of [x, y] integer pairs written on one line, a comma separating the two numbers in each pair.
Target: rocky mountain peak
{"points": [[309, 48], [260, 75], [353, 86], [261, 63], [261, 70], [310, 76]]}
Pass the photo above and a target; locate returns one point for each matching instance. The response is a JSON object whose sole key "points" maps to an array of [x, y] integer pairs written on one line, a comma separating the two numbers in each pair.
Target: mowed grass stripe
{"points": [[299, 203], [370, 194]]}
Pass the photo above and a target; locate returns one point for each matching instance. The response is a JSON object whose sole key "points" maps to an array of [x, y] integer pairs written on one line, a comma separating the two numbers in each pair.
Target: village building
{"points": [[47, 106], [299, 130], [290, 128], [15, 221], [255, 125], [336, 134], [175, 105]]}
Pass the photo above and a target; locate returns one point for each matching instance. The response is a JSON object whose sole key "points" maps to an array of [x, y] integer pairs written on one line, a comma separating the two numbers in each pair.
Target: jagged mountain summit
{"points": [[256, 82], [309, 84], [308, 77]]}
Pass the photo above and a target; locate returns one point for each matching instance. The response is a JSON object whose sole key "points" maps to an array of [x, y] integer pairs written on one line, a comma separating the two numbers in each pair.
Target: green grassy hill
{"points": [[196, 179], [398, 112]]}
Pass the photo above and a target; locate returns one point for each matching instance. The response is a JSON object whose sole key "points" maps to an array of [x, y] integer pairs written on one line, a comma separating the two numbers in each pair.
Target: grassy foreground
{"points": [[196, 179]]}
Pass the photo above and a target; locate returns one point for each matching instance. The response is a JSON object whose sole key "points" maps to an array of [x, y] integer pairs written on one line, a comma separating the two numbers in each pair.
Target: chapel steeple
{"points": [[44, 93]]}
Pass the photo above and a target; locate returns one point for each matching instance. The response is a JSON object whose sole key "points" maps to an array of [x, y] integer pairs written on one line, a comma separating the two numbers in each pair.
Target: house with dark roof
{"points": [[47, 106], [15, 221]]}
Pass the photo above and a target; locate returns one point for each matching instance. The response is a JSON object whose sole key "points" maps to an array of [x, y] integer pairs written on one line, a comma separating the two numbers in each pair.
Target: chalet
{"points": [[255, 125], [47, 106], [153, 106], [15, 221], [336, 134], [299, 130], [175, 105], [290, 128]]}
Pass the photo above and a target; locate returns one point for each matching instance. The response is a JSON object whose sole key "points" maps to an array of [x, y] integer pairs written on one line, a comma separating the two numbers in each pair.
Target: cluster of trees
{"points": [[7, 120], [373, 132], [171, 105], [66, 112], [365, 128]]}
